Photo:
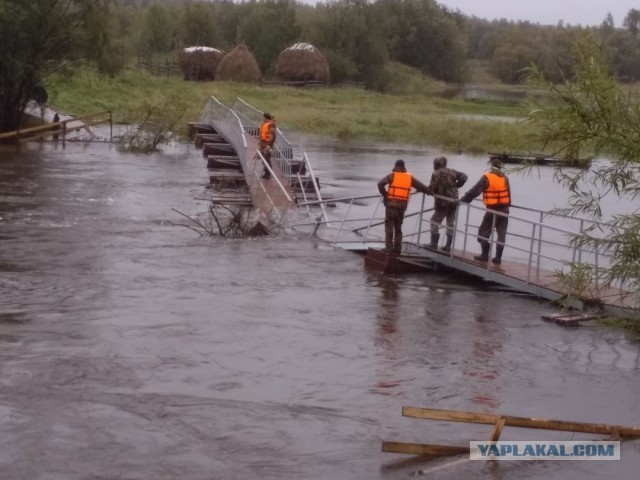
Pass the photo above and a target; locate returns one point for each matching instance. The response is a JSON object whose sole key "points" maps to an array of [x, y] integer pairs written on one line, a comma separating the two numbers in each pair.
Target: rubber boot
{"points": [[484, 256], [447, 246], [434, 242], [498, 257]]}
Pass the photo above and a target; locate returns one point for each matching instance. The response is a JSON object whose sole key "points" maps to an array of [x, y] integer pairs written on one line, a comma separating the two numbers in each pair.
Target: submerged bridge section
{"points": [[228, 136], [541, 256]]}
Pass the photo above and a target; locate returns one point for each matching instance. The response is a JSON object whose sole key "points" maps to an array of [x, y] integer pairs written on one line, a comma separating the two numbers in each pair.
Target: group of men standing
{"points": [[395, 189]]}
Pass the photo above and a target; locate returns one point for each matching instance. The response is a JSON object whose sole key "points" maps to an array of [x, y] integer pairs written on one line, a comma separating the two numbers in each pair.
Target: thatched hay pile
{"points": [[302, 62], [239, 65], [199, 63]]}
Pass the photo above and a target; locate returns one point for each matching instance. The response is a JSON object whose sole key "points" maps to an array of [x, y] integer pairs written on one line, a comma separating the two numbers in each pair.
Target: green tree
{"points": [[423, 35], [518, 45], [592, 117], [350, 34], [509, 63], [624, 51], [37, 38], [268, 29], [632, 21], [198, 26], [157, 31], [103, 44]]}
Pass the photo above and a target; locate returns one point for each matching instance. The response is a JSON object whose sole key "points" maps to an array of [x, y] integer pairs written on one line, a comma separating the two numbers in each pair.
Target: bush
{"points": [[154, 120]]}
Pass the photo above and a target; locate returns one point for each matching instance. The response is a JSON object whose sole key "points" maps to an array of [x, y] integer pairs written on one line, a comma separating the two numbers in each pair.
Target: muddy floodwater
{"points": [[132, 349]]}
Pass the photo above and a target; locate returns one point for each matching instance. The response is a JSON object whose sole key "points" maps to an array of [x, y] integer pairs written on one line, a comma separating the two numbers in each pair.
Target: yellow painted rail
{"points": [[61, 128], [499, 422]]}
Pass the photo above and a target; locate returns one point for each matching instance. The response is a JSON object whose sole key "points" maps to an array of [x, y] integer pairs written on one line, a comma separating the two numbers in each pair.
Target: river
{"points": [[133, 349]]}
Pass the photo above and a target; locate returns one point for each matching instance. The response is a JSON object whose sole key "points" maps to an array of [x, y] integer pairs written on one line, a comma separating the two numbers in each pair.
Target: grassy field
{"points": [[419, 111]]}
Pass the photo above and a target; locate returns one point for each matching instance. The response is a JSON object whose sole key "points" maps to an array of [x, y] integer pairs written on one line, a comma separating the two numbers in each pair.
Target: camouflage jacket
{"points": [[446, 181]]}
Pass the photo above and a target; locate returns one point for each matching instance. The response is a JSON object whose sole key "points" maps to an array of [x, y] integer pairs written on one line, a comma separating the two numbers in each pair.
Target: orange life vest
{"points": [[400, 187], [497, 193], [265, 133]]}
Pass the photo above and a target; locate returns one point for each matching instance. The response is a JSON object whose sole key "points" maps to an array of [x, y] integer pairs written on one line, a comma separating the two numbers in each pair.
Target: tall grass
{"points": [[417, 115]]}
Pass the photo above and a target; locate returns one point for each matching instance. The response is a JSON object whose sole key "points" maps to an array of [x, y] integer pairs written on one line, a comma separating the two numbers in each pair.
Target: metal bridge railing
{"points": [[251, 119], [541, 240], [228, 124]]}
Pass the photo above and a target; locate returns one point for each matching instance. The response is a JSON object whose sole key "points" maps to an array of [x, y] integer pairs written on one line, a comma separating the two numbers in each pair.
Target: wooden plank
{"points": [[197, 127], [497, 430], [228, 181], [226, 174], [230, 197], [571, 319], [202, 138], [306, 183], [523, 422], [217, 149], [224, 162], [423, 448], [245, 203]]}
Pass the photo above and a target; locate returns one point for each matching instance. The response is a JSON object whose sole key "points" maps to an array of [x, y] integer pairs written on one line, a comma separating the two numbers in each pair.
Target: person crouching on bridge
{"points": [[496, 195], [395, 199], [267, 139], [445, 182]]}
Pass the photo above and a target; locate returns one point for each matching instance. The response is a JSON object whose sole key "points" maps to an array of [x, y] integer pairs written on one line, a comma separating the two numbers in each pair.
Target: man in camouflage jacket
{"points": [[444, 183]]}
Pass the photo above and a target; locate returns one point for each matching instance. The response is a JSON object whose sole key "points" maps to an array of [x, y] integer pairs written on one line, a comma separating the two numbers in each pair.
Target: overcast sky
{"points": [[546, 12], [584, 12]]}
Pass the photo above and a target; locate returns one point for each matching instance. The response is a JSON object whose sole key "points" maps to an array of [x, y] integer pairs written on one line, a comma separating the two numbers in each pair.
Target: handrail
{"points": [[273, 175], [253, 119], [342, 199], [315, 184], [55, 127], [226, 119], [540, 242], [266, 192]]}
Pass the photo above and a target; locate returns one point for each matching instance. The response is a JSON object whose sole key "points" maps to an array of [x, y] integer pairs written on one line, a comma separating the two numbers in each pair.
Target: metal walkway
{"points": [[239, 125], [538, 258]]}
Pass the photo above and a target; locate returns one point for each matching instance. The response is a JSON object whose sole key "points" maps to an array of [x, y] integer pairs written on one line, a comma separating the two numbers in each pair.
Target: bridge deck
{"points": [[264, 192], [517, 275]]}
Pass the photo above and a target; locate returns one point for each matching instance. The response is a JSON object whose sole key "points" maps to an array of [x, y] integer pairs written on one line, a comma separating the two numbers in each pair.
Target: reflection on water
{"points": [[132, 348]]}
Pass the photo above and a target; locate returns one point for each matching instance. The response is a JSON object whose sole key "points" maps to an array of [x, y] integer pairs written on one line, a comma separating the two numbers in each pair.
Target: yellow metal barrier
{"points": [[60, 128]]}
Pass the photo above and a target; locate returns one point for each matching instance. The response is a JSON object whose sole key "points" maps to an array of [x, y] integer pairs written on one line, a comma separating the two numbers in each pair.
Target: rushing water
{"points": [[131, 348]]}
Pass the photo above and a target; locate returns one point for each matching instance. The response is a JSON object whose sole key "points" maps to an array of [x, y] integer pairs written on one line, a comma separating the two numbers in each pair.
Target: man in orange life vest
{"points": [[396, 199], [267, 139], [494, 186]]}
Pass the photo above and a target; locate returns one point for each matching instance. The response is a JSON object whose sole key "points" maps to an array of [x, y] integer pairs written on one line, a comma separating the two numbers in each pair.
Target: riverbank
{"points": [[419, 112]]}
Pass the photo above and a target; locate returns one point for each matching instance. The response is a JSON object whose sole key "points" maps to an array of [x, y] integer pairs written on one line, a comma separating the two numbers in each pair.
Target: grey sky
{"points": [[584, 12], [546, 12]]}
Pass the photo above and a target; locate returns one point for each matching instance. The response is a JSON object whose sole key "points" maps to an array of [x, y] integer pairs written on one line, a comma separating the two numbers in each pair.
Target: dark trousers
{"points": [[393, 218], [265, 150], [501, 223], [440, 213]]}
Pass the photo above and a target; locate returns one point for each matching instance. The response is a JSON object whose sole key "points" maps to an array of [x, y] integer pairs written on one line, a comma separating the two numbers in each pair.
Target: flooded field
{"points": [[133, 349]]}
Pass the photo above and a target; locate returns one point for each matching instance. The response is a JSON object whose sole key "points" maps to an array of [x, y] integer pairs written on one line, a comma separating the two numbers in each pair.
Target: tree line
{"points": [[359, 38]]}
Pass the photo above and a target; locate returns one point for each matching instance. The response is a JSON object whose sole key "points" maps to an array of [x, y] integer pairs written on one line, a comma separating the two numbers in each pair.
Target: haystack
{"points": [[302, 62], [239, 65], [199, 63]]}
